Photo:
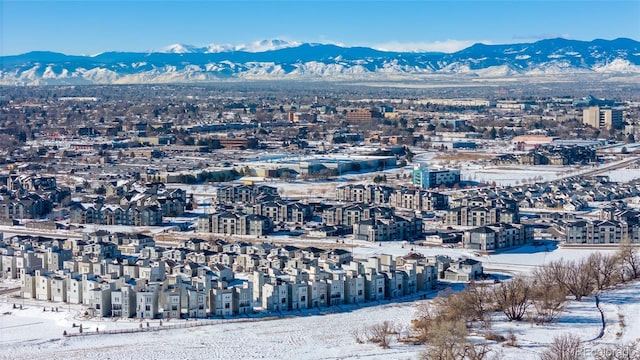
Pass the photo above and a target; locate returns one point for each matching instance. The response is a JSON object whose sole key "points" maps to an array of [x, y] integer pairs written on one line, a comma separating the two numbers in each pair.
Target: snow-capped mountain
{"points": [[277, 59], [256, 46]]}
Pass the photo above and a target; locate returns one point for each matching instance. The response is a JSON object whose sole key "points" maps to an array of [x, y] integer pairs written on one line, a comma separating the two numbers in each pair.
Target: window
{"points": [[359, 292], [147, 308], [303, 298], [284, 300], [227, 305], [380, 290]]}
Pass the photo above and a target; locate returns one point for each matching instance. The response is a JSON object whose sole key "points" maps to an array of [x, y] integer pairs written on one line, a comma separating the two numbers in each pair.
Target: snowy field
{"points": [[624, 175], [514, 175]]}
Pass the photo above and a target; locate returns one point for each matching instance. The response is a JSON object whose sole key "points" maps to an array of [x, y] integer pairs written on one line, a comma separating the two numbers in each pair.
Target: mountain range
{"points": [[280, 60]]}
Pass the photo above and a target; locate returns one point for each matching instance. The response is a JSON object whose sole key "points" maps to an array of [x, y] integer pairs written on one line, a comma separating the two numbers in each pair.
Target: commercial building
{"points": [[602, 118]]}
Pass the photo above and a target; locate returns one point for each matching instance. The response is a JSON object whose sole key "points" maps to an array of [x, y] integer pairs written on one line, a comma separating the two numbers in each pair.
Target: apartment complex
{"points": [[425, 177]]}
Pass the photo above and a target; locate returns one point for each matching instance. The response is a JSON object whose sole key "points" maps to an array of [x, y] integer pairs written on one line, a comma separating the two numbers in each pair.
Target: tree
{"points": [[382, 333], [629, 260], [443, 324], [475, 302], [604, 269], [548, 301], [512, 298], [564, 347], [379, 178], [448, 341], [408, 154], [493, 133], [215, 144], [573, 276]]}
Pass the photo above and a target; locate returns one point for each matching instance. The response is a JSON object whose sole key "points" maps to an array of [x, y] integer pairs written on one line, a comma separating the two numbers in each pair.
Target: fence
{"points": [[164, 326]]}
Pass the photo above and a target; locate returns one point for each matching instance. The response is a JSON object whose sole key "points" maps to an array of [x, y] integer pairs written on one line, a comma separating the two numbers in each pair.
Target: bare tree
{"points": [[469, 305], [548, 300], [513, 297], [358, 336], [476, 301], [443, 327], [604, 269], [564, 347], [573, 276], [426, 316], [448, 341], [382, 333], [630, 260]]}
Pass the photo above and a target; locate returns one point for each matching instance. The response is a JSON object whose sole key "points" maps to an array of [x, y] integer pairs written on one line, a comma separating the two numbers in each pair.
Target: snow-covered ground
{"points": [[514, 175], [624, 175], [33, 334]]}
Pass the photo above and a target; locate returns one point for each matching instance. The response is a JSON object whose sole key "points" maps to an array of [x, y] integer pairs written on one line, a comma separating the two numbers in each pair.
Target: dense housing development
{"points": [[116, 275], [193, 209]]}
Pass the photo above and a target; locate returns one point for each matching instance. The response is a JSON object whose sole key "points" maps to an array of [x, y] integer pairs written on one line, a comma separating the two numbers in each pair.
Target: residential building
{"points": [[425, 177]]}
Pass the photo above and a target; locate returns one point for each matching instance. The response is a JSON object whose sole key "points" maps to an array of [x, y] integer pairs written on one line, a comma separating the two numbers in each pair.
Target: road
{"points": [[40, 232]]}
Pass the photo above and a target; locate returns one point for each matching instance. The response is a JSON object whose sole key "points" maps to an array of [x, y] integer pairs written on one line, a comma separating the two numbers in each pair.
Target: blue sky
{"points": [[94, 26]]}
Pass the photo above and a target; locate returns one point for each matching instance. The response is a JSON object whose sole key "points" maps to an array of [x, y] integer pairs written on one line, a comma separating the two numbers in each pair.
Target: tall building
{"points": [[359, 115], [602, 118]]}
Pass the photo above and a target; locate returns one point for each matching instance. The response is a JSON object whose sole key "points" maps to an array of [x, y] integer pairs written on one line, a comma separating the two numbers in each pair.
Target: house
{"points": [[464, 271], [100, 301], [58, 288], [354, 288], [242, 297], [317, 293], [123, 302], [221, 300], [170, 302], [197, 302], [74, 288], [275, 296], [28, 284], [147, 302], [335, 288], [298, 295]]}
